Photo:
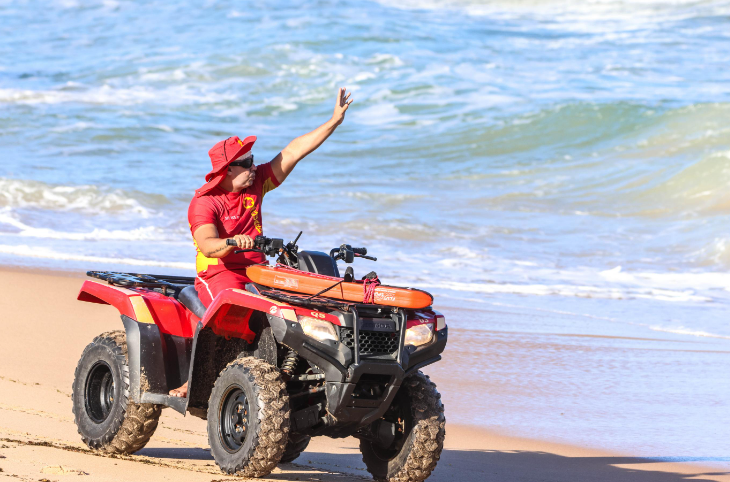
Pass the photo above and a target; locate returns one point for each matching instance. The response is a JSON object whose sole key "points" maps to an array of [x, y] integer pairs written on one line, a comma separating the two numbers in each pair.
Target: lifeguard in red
{"points": [[228, 206], [232, 213]]}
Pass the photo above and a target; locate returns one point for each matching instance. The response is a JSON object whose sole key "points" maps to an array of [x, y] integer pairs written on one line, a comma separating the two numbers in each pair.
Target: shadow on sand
{"points": [[479, 466], [176, 453]]}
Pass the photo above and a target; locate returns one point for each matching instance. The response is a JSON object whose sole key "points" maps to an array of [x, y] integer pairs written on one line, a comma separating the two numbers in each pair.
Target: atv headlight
{"points": [[318, 329], [419, 334]]}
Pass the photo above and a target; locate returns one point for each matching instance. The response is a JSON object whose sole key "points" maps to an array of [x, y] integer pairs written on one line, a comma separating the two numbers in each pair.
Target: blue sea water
{"points": [[545, 168]]}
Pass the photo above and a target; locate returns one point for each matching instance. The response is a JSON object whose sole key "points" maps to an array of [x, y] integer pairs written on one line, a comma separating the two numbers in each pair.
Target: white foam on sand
{"points": [[680, 330]]}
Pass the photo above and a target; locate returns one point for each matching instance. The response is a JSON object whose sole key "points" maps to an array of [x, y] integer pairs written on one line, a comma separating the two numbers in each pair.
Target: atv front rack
{"points": [[161, 283], [301, 299], [171, 286]]}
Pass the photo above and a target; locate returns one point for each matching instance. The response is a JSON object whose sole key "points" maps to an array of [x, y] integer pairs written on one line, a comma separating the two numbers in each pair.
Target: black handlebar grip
{"points": [[360, 251], [231, 242]]}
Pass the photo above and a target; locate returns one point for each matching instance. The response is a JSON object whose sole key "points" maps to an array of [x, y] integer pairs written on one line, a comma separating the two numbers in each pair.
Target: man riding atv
{"points": [[228, 206], [298, 352]]}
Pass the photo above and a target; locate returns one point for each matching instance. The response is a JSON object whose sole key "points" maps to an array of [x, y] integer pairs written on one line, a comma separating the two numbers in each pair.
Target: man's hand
{"points": [[341, 105], [287, 159], [243, 241]]}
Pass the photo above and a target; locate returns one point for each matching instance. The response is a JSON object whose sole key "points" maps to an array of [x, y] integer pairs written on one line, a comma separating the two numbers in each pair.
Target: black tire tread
{"points": [[271, 439], [137, 422], [428, 433], [294, 447]]}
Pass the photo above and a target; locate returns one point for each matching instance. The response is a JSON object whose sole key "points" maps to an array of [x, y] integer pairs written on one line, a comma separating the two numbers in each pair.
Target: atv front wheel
{"points": [[248, 418], [105, 417], [418, 416]]}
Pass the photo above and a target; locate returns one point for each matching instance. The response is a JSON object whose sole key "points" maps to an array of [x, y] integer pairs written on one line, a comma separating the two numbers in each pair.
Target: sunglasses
{"points": [[245, 163]]}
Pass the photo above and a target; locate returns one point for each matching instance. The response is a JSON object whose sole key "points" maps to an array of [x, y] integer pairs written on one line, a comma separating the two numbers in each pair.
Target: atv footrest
{"points": [[176, 403]]}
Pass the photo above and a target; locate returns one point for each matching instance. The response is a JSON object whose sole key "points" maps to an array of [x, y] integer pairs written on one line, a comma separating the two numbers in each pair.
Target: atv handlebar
{"points": [[348, 254], [274, 246], [261, 244]]}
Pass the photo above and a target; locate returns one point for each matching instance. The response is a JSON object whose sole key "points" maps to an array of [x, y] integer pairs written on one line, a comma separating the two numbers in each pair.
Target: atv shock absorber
{"points": [[290, 363]]}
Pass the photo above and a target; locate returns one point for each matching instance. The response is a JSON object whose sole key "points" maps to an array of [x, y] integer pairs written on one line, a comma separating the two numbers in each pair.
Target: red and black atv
{"points": [[269, 367]]}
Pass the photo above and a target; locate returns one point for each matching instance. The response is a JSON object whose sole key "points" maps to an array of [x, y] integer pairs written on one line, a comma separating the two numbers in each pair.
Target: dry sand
{"points": [[44, 330]]}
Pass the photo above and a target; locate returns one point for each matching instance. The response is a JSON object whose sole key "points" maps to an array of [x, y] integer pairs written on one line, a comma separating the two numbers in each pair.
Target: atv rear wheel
{"points": [[248, 418], [105, 417], [418, 415], [296, 444]]}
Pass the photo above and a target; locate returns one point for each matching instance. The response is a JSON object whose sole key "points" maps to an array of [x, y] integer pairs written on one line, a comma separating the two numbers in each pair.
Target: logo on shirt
{"points": [[248, 202]]}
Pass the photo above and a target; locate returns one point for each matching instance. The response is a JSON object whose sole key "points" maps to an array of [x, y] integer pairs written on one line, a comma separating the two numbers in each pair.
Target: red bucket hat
{"points": [[221, 155]]}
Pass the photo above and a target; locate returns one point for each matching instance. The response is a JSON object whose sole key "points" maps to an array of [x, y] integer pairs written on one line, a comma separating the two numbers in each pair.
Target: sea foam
{"points": [[47, 253], [83, 198]]}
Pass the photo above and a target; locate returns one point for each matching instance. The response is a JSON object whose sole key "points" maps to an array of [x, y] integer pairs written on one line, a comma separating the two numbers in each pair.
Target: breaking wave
{"points": [[18, 193], [108, 95], [687, 331], [48, 253], [589, 16]]}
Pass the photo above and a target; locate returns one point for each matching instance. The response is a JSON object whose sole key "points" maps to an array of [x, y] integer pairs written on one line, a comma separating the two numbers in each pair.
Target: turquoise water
{"points": [[569, 158]]}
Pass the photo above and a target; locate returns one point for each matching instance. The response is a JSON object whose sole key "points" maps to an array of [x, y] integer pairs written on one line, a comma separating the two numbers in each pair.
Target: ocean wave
{"points": [[714, 253], [680, 330], [590, 15], [148, 233], [380, 114], [23, 193], [596, 292], [479, 273], [620, 159], [47, 253], [180, 94]]}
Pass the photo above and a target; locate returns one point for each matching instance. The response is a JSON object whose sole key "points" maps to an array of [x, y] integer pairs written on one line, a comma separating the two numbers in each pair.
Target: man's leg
{"points": [[207, 291]]}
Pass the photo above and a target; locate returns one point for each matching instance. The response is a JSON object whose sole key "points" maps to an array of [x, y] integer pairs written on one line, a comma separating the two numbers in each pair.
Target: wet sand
{"points": [[44, 330]]}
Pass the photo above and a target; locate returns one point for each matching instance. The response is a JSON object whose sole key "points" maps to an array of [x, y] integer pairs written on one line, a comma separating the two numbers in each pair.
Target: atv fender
{"points": [[229, 313], [159, 335], [129, 303], [143, 306]]}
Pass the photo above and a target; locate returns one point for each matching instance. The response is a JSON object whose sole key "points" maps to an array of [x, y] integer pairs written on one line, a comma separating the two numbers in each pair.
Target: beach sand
{"points": [[44, 330]]}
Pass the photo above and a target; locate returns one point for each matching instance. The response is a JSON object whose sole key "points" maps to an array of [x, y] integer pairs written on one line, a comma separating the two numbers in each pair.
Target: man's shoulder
{"points": [[204, 201], [266, 181]]}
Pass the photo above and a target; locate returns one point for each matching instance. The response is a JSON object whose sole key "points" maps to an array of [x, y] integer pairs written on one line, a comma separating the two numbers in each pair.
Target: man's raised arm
{"points": [[283, 164]]}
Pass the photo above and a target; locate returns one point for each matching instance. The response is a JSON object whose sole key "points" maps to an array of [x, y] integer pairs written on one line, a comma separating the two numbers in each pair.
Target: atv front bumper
{"points": [[359, 387]]}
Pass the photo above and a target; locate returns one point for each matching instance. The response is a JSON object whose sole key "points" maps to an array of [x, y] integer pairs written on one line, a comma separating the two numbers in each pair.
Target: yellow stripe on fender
{"points": [[289, 314], [141, 310], [254, 295]]}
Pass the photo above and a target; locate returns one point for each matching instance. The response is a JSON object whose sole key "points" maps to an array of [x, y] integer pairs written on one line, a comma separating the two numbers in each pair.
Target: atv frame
{"points": [[340, 387]]}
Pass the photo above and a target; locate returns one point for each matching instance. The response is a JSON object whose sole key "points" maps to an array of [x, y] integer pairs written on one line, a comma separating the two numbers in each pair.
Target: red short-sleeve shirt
{"points": [[232, 213]]}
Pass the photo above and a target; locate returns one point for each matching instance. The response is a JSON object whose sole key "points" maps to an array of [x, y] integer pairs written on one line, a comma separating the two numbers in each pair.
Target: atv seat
{"points": [[188, 296]]}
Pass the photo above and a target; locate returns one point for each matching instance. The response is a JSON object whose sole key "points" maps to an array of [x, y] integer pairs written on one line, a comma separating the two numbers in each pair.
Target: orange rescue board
{"points": [[310, 283]]}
